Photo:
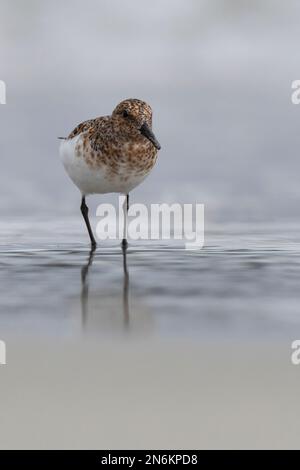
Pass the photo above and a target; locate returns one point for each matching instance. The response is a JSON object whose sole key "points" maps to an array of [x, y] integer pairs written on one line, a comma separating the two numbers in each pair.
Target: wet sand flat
{"points": [[156, 348]]}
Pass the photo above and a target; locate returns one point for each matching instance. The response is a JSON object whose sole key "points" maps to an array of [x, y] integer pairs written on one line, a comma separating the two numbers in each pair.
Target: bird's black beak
{"points": [[147, 132]]}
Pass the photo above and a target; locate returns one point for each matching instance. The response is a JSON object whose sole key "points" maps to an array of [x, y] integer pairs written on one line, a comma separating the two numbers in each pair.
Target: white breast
{"points": [[91, 180]]}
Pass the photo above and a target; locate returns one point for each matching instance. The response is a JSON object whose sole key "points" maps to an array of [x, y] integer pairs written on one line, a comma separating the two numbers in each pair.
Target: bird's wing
{"points": [[82, 127]]}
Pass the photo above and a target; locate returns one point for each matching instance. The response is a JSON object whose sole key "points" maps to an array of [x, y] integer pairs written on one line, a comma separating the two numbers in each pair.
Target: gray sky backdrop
{"points": [[217, 74]]}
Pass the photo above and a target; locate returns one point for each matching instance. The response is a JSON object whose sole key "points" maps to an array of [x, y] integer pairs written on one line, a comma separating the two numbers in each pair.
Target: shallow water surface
{"points": [[243, 283], [158, 347]]}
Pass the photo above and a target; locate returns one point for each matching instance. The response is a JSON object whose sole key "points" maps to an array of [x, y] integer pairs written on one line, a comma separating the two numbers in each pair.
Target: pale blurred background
{"points": [[217, 73]]}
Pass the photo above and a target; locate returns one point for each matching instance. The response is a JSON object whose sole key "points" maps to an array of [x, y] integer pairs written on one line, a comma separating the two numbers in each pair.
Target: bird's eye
{"points": [[125, 114]]}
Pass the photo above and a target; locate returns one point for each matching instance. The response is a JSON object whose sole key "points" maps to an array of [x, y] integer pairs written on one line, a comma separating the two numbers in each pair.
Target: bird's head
{"points": [[136, 115]]}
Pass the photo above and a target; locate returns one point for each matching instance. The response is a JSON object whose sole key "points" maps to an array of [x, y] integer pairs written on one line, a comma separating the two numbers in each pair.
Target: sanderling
{"points": [[111, 154]]}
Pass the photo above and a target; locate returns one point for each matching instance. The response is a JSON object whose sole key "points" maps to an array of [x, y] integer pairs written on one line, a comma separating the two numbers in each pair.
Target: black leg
{"points": [[124, 241], [85, 212]]}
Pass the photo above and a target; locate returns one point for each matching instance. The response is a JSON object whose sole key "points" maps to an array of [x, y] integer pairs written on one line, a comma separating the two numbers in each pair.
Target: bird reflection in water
{"points": [[85, 288], [125, 288]]}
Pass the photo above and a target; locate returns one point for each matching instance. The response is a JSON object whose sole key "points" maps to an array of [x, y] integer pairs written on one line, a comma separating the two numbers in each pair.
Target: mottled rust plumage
{"points": [[115, 141]]}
